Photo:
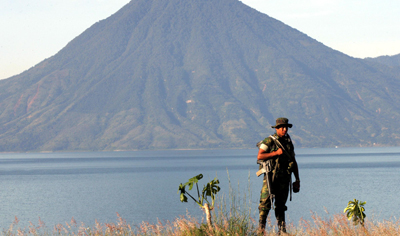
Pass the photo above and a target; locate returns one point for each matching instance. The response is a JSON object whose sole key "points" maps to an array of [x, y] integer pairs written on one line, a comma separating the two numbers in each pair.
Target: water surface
{"points": [[142, 185]]}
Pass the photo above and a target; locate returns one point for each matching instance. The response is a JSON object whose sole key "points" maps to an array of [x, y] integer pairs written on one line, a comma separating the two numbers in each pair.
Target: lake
{"points": [[143, 185]]}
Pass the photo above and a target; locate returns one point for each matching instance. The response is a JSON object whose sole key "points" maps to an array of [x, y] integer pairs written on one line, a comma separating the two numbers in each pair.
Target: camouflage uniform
{"points": [[280, 178]]}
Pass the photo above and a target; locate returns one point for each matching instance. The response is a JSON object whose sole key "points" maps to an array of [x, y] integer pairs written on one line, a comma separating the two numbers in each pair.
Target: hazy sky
{"points": [[32, 30]]}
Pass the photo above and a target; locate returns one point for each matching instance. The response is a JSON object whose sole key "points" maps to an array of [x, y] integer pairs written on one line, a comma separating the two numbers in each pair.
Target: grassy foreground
{"points": [[186, 225]]}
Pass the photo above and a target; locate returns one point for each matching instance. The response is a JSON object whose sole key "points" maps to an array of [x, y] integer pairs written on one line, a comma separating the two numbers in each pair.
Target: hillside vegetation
{"points": [[169, 74]]}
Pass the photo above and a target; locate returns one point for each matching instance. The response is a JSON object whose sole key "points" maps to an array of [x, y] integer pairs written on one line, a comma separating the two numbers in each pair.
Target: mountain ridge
{"points": [[190, 74], [392, 61]]}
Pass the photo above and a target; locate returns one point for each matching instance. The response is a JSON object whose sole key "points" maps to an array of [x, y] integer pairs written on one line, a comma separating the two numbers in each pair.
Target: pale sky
{"points": [[33, 30]]}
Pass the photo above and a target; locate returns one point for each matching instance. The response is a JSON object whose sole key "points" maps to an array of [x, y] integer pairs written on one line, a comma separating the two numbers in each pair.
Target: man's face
{"points": [[281, 131]]}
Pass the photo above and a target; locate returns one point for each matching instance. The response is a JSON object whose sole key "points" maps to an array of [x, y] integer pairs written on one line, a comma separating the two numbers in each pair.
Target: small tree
{"points": [[209, 190], [355, 211]]}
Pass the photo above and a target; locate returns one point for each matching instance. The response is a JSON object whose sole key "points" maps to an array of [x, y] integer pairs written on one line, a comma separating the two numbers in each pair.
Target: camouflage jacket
{"points": [[282, 164]]}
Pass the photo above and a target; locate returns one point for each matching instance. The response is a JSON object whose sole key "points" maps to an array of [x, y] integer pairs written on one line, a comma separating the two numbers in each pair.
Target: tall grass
{"points": [[188, 226], [232, 216]]}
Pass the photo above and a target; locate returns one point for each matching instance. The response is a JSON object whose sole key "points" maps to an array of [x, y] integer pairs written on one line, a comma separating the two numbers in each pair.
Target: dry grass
{"points": [[188, 226]]}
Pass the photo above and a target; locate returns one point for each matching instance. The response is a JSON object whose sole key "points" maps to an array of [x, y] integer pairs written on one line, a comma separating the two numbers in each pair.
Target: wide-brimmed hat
{"points": [[282, 121]]}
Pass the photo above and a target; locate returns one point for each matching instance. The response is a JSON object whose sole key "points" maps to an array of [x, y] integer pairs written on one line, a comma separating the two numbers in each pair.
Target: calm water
{"points": [[142, 185]]}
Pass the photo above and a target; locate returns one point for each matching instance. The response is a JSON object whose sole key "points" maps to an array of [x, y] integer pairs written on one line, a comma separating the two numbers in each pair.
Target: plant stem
{"points": [[192, 197], [208, 215]]}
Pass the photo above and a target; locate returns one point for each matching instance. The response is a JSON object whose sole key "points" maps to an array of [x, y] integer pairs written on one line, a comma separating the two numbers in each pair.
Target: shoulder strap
{"points": [[281, 146]]}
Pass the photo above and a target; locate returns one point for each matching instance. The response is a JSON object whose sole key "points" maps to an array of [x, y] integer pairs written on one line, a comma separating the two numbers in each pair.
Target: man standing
{"points": [[278, 148]]}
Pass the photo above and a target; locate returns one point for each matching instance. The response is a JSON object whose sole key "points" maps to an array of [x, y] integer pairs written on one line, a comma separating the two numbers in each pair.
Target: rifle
{"points": [[266, 169]]}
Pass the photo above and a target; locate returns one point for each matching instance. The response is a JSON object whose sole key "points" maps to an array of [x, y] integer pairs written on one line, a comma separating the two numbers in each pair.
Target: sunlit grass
{"points": [[224, 225]]}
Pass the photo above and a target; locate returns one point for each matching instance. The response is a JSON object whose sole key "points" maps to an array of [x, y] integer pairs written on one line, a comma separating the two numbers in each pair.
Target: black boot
{"points": [[262, 221], [281, 227], [280, 217], [261, 225]]}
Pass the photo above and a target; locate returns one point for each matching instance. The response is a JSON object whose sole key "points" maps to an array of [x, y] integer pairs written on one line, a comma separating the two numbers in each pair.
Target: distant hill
{"points": [[392, 61], [163, 74]]}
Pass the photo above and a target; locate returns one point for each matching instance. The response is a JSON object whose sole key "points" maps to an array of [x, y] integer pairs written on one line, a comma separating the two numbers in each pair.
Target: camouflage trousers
{"points": [[281, 190]]}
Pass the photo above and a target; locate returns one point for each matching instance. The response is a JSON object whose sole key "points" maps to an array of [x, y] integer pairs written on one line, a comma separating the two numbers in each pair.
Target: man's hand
{"points": [[296, 186], [279, 152]]}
